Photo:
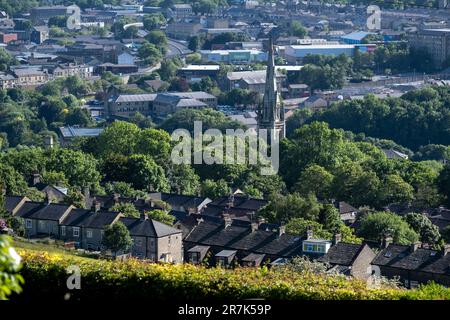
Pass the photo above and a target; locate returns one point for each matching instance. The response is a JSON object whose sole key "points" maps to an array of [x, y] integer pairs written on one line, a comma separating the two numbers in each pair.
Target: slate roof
{"points": [[425, 260], [177, 200], [76, 217], [42, 211], [201, 249], [148, 228], [226, 253], [254, 257], [99, 220], [136, 97], [241, 202], [344, 207], [11, 202], [342, 254]]}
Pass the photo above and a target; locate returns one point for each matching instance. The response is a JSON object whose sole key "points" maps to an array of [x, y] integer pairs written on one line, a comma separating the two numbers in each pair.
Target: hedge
{"points": [[45, 277]]}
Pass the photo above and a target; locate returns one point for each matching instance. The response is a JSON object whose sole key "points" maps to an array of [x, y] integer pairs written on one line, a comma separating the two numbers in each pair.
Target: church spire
{"points": [[271, 114]]}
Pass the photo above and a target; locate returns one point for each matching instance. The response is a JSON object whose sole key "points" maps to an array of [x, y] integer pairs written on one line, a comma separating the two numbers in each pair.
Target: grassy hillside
{"points": [[45, 276]]}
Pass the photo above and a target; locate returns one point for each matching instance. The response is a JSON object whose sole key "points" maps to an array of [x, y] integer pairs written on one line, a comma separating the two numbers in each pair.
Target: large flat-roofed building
{"points": [[160, 104], [296, 53], [250, 80], [127, 105], [182, 30], [234, 56], [194, 73], [69, 133], [435, 41], [41, 14]]}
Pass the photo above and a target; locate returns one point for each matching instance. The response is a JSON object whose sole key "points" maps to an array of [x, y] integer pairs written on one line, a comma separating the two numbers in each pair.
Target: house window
{"points": [[63, 230], [76, 232], [28, 223], [89, 234], [194, 257]]}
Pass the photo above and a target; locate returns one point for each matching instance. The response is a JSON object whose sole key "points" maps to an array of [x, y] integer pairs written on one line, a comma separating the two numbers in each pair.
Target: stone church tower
{"points": [[271, 113]]}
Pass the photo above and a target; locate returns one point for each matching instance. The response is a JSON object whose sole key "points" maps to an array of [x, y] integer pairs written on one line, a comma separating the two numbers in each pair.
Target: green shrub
{"points": [[45, 277]]}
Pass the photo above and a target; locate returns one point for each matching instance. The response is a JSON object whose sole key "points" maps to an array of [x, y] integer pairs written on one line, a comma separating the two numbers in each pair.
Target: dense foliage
{"points": [[45, 276]]}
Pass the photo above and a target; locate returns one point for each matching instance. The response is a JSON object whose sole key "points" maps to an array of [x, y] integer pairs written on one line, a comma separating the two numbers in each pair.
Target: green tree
{"points": [[214, 189], [118, 138], [161, 216], [375, 225], [75, 197], [282, 209], [444, 182], [127, 209], [153, 21], [396, 190], [315, 179], [79, 168], [145, 174], [10, 279], [330, 218], [429, 233], [150, 53], [183, 179], [117, 238]]}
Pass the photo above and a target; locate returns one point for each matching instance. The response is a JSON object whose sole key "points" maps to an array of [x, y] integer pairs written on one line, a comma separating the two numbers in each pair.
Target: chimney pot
{"points": [[336, 238], [414, 246], [96, 206], [445, 249], [281, 230], [36, 178], [227, 220], [386, 241], [309, 233]]}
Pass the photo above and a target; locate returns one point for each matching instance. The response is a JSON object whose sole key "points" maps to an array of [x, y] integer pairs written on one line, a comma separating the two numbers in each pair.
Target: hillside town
{"points": [[355, 98]]}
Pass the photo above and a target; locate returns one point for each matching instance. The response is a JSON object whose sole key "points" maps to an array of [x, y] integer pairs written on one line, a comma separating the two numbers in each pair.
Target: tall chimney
{"points": [[227, 221], [414, 246], [36, 178], [48, 199], [445, 250], [336, 238], [309, 233], [48, 141], [96, 206], [281, 230], [386, 241]]}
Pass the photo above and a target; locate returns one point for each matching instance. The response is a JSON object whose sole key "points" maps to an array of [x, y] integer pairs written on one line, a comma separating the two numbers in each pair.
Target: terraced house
{"points": [[152, 240]]}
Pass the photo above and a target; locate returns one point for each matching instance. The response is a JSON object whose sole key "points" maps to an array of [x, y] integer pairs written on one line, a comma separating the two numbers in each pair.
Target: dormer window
{"points": [[316, 246]]}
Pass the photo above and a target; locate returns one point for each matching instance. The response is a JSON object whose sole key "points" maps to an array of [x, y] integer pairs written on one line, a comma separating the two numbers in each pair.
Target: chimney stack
{"points": [[48, 141], [36, 178], [309, 233], [254, 226], [47, 200], [336, 238], [414, 246], [96, 206], [261, 220], [143, 216], [227, 220], [386, 241], [281, 230], [116, 197], [445, 249]]}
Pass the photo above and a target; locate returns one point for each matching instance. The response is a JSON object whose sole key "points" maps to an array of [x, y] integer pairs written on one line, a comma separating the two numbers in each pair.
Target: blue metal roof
{"points": [[357, 35]]}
